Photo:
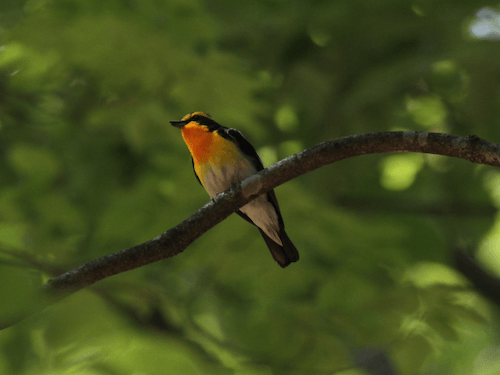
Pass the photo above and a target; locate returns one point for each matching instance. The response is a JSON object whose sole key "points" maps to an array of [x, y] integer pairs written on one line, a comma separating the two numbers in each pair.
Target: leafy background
{"points": [[90, 165]]}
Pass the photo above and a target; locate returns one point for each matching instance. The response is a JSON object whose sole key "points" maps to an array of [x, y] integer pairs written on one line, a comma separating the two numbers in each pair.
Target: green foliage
{"points": [[91, 166]]}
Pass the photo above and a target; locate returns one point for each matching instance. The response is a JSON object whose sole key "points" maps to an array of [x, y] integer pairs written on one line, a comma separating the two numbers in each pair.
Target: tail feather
{"points": [[285, 254]]}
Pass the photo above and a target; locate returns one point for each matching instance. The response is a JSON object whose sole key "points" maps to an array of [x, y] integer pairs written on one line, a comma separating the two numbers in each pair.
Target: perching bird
{"points": [[222, 156]]}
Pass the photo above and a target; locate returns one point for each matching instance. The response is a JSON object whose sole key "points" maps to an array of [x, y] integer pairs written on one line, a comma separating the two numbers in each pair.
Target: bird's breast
{"points": [[219, 172], [218, 162]]}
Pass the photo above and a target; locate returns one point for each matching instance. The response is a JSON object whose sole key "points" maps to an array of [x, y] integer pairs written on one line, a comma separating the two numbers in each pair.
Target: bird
{"points": [[221, 157]]}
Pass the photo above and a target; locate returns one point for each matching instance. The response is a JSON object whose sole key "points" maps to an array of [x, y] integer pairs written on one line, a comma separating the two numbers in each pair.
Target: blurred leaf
{"points": [[399, 171], [12, 234], [411, 355], [18, 292], [91, 166], [39, 165]]}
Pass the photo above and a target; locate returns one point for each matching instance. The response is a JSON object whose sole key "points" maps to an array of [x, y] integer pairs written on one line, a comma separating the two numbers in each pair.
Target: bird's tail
{"points": [[285, 254]]}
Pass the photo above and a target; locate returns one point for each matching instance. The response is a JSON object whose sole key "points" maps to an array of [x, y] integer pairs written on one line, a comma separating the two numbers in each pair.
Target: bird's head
{"points": [[196, 118]]}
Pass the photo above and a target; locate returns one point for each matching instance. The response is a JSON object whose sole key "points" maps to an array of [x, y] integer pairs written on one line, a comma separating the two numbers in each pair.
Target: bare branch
{"points": [[175, 240], [486, 284]]}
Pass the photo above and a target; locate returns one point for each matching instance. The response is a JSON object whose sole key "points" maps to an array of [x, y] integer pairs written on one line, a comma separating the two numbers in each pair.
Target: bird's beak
{"points": [[178, 124]]}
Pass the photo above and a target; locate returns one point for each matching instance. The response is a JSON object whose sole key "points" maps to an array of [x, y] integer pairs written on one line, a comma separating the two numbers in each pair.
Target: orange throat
{"points": [[199, 142]]}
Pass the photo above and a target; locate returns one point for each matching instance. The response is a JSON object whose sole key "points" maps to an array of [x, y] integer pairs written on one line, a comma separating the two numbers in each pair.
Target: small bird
{"points": [[221, 157]]}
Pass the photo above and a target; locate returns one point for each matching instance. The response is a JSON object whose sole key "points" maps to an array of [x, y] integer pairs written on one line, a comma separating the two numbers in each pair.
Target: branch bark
{"points": [[175, 240]]}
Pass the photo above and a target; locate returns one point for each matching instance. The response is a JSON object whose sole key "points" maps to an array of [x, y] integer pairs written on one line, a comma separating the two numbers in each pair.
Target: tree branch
{"points": [[175, 240], [486, 284]]}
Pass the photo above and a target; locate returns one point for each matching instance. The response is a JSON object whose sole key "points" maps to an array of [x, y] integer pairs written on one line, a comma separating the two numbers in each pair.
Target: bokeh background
{"points": [[90, 165]]}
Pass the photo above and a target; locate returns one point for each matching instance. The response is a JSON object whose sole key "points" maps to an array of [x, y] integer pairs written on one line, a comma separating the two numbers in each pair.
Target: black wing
{"points": [[245, 146], [237, 138], [192, 163]]}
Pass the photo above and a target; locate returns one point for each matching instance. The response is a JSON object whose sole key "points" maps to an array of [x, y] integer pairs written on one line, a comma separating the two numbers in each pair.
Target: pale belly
{"points": [[219, 178], [263, 214]]}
